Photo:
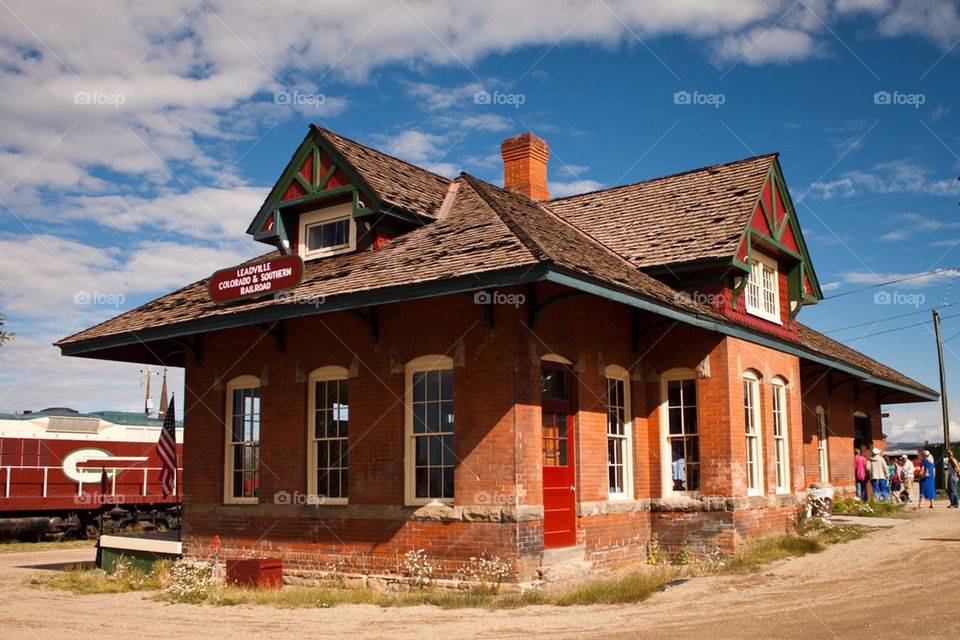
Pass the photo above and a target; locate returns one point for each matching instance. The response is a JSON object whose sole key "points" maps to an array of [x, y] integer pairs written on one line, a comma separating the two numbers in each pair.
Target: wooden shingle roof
{"points": [[686, 217], [599, 240], [486, 230], [830, 348], [399, 184]]}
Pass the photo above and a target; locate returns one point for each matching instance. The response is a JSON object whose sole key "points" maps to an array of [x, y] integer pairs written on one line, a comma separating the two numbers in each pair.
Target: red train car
{"points": [[52, 466]]}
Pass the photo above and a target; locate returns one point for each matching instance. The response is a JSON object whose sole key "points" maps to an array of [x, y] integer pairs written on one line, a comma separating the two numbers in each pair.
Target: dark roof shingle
{"points": [[696, 215], [399, 183], [604, 236]]}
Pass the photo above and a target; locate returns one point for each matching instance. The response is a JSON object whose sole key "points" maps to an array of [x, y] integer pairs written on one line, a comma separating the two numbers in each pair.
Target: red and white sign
{"points": [[256, 279]]}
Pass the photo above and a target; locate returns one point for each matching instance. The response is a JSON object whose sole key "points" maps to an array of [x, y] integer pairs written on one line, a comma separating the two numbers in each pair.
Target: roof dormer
{"points": [[336, 196]]}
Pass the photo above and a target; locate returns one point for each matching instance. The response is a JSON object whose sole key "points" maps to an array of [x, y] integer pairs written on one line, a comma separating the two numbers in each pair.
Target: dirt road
{"points": [[844, 592]]}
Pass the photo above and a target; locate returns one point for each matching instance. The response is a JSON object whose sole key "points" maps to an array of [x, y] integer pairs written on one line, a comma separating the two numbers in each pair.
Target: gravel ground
{"points": [[843, 592]]}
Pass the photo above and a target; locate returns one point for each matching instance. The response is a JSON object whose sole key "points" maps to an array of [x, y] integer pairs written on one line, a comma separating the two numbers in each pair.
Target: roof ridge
{"points": [[542, 206], [479, 186], [772, 154], [324, 130]]}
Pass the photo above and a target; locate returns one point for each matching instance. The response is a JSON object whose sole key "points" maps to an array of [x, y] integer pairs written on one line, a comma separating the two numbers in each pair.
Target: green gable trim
{"points": [[313, 144], [796, 289]]}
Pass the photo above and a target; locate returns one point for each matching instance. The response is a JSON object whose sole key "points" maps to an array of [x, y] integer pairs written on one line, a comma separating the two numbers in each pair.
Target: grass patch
{"points": [[770, 550], [191, 582], [632, 587], [814, 538], [323, 597], [871, 509], [125, 578], [16, 546]]}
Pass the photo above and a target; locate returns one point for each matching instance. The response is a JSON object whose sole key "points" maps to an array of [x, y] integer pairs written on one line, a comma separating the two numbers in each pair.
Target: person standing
{"points": [[907, 469], [928, 472], [953, 470], [879, 475], [860, 474], [896, 478]]}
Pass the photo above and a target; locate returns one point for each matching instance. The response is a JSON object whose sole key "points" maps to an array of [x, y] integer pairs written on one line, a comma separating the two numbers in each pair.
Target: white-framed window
{"points": [[823, 451], [679, 426], [327, 232], [763, 289], [752, 426], [619, 434], [781, 443], [242, 460], [429, 451], [327, 435]]}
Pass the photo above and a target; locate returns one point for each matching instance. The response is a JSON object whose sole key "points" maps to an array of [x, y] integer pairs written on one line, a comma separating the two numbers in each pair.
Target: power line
{"points": [[908, 326], [873, 322], [895, 281]]}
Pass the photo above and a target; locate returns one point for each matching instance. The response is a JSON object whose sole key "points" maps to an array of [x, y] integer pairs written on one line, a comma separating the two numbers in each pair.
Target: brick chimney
{"points": [[525, 165]]}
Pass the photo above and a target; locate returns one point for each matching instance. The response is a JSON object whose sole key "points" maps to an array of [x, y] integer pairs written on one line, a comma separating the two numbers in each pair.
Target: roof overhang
{"points": [[705, 322], [135, 346]]}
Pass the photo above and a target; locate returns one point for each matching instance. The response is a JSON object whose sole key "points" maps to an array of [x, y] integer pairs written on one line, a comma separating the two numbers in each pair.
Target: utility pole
{"points": [[943, 382]]}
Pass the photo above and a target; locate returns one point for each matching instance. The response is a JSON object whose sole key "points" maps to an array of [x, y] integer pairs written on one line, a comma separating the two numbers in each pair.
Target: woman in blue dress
{"points": [[928, 490]]}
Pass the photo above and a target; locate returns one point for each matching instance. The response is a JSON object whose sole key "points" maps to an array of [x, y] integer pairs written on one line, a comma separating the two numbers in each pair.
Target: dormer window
{"points": [[327, 232], [763, 289]]}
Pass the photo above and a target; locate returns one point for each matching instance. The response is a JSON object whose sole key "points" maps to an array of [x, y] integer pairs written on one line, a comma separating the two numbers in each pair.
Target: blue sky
{"points": [[138, 142]]}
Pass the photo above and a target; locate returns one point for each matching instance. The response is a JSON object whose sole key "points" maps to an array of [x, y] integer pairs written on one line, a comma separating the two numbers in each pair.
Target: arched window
{"points": [[823, 452], [619, 434], [429, 448], [242, 463], [753, 427], [327, 430], [679, 426], [781, 440]]}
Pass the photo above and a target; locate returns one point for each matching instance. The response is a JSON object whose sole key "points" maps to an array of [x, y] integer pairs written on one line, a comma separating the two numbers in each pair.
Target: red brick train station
{"points": [[470, 370]]}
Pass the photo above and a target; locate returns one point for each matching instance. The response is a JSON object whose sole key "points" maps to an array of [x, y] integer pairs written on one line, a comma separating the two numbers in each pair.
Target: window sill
{"points": [[769, 317], [232, 501], [683, 494], [326, 253], [427, 502]]}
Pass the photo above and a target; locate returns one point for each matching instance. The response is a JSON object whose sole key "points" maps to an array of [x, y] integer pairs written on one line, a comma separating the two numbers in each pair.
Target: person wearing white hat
{"points": [[879, 475], [908, 469]]}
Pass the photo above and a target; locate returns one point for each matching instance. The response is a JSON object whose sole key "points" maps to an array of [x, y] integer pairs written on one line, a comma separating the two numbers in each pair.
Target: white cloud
{"points": [[910, 429], [563, 189], [33, 375], [434, 97], [936, 20], [761, 45], [918, 280], [413, 145], [572, 170], [831, 286], [898, 176], [80, 284]]}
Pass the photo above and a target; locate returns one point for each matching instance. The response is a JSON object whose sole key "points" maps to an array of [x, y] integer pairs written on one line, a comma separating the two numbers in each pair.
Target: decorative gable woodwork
{"points": [[774, 231], [316, 176]]}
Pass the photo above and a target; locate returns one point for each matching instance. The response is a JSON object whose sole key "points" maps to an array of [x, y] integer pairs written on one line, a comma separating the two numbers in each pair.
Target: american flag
{"points": [[167, 450]]}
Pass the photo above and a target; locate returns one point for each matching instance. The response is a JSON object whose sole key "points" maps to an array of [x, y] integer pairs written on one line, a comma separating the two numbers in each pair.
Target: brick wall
{"points": [[839, 397], [498, 506]]}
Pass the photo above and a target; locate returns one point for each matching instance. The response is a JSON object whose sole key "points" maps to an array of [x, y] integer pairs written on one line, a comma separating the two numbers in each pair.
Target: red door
{"points": [[559, 490]]}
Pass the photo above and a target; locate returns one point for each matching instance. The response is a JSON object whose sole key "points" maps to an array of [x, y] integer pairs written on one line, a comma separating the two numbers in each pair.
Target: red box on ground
{"points": [[255, 572]]}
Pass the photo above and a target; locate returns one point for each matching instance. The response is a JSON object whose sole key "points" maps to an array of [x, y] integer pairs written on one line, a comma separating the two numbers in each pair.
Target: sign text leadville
{"points": [[255, 279]]}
